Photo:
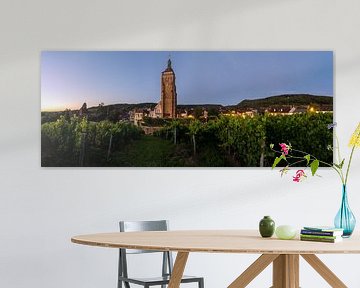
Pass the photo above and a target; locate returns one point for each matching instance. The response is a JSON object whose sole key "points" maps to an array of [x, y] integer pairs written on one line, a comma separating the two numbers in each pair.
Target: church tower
{"points": [[168, 93]]}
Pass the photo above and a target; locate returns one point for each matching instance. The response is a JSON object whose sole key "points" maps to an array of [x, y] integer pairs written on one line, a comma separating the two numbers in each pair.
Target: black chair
{"points": [[167, 265]]}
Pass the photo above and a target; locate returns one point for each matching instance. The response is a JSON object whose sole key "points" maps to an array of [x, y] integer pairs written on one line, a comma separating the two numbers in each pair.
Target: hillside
{"points": [[287, 99], [115, 112]]}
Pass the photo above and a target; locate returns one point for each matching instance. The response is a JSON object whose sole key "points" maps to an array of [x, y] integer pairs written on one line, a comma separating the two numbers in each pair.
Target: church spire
{"points": [[168, 100], [169, 63]]}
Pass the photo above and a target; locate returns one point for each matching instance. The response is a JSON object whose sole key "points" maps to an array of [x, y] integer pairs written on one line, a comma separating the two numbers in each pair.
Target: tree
{"points": [[198, 112], [194, 128], [174, 125], [213, 112]]}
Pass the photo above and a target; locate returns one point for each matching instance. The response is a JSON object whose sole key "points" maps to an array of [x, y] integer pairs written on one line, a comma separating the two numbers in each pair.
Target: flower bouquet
{"points": [[344, 218]]}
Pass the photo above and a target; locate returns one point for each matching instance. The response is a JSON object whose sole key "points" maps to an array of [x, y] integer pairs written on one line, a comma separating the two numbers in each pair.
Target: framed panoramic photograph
{"points": [[183, 108]]}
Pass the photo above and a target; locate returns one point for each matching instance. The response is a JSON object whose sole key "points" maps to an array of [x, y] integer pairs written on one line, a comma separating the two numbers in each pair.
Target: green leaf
{"points": [[342, 163], [271, 146], [307, 157], [277, 160], [339, 166], [314, 166]]}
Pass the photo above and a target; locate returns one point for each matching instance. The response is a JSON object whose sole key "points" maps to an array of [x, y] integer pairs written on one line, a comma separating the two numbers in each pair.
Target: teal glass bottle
{"points": [[345, 219], [266, 227]]}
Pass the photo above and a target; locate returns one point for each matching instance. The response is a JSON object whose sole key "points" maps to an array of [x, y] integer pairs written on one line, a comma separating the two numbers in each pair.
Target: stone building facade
{"points": [[166, 107], [168, 100]]}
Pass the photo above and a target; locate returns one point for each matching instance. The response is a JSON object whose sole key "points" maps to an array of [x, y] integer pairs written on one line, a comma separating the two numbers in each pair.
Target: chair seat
{"points": [[158, 280]]}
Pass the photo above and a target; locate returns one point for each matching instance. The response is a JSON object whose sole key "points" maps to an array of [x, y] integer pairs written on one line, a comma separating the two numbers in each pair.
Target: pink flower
{"points": [[299, 175], [284, 148]]}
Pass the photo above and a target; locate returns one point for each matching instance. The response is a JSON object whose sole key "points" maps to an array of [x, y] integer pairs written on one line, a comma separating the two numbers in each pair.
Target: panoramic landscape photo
{"points": [[184, 108]]}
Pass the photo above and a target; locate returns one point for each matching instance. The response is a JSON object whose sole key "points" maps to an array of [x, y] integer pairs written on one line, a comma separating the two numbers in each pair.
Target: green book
{"points": [[319, 236], [325, 240]]}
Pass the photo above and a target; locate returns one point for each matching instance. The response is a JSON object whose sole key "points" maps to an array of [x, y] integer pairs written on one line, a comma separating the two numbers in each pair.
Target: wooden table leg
{"points": [[178, 269], [253, 270], [324, 271], [286, 271]]}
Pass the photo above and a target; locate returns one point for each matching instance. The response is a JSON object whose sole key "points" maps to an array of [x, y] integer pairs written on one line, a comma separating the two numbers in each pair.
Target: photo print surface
{"points": [[183, 108]]}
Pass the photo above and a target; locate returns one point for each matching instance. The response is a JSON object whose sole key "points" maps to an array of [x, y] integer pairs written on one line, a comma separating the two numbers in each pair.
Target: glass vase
{"points": [[345, 219]]}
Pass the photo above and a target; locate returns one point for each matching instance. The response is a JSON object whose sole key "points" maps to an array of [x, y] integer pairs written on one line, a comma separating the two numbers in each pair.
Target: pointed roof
{"points": [[169, 68]]}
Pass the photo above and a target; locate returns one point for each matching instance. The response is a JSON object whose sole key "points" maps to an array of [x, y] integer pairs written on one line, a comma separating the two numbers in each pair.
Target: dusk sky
{"points": [[68, 79]]}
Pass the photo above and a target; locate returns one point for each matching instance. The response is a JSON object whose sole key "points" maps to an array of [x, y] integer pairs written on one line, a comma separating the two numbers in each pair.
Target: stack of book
{"points": [[321, 234]]}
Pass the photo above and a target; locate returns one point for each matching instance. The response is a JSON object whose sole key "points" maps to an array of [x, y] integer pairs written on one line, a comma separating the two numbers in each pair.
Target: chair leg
{"points": [[120, 270], [164, 266], [201, 283]]}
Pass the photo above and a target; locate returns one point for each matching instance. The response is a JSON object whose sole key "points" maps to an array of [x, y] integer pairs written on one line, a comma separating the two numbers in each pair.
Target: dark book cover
{"points": [[321, 233]]}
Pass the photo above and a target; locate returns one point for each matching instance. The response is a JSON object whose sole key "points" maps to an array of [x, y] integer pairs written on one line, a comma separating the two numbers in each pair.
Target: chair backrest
{"points": [[137, 226], [133, 226]]}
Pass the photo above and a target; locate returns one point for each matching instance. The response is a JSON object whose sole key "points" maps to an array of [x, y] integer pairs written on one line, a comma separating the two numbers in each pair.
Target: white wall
{"points": [[40, 209]]}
